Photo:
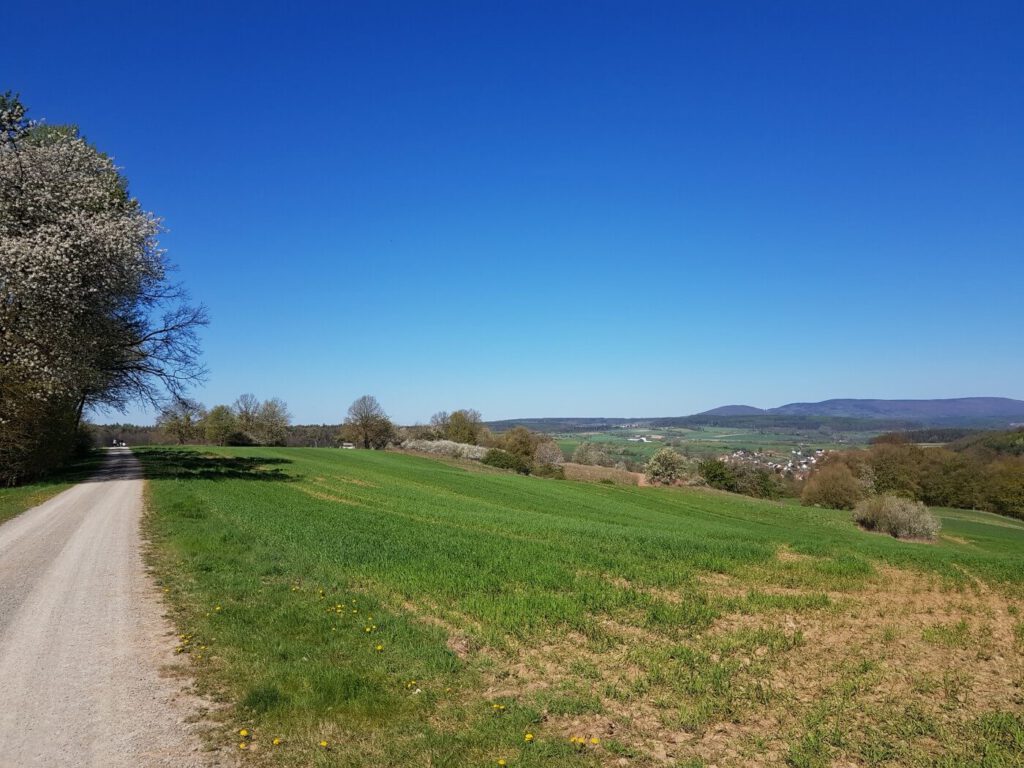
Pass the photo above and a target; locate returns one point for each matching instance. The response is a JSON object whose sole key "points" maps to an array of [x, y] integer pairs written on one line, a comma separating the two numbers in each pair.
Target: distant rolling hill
{"points": [[839, 415], [733, 410], [961, 410], [568, 424]]}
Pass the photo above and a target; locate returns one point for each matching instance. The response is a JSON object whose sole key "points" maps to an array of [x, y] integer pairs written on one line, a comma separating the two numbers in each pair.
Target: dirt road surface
{"points": [[83, 644]]}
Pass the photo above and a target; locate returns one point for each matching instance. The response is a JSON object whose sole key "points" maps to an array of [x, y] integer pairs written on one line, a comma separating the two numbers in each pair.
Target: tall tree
{"points": [[367, 424], [88, 316], [220, 425], [520, 441], [247, 408], [181, 419], [439, 424], [272, 422], [464, 426]]}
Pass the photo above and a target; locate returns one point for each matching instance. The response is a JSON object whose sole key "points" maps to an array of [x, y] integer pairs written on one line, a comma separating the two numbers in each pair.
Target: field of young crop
{"points": [[356, 608]]}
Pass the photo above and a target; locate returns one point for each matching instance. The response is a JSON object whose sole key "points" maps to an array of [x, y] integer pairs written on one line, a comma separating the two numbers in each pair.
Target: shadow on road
{"points": [[159, 464]]}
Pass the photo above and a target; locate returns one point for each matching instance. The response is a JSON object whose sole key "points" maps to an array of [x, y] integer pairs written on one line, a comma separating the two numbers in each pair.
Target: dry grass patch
{"points": [[593, 474], [905, 642], [324, 496], [905, 655]]}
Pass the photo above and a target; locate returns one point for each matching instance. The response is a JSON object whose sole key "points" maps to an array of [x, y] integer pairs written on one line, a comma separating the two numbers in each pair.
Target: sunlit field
{"points": [[370, 608]]}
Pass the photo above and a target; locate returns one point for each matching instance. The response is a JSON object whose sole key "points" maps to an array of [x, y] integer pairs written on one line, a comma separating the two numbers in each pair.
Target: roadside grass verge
{"points": [[407, 611], [14, 501]]}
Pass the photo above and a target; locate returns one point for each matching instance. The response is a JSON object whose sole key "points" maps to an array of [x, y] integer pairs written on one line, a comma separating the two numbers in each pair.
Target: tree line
{"points": [[980, 471], [89, 319], [247, 421]]}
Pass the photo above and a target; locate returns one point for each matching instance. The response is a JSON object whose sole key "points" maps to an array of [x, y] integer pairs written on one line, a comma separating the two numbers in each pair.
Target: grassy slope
{"points": [[14, 501], [570, 605]]}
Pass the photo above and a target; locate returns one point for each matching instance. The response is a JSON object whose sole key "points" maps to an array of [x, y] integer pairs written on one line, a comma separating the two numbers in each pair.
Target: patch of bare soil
{"points": [[787, 555], [906, 639], [955, 539], [459, 641], [591, 474]]}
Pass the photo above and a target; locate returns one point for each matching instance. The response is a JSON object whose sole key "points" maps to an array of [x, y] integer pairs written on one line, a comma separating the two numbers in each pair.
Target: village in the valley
{"points": [[798, 464]]}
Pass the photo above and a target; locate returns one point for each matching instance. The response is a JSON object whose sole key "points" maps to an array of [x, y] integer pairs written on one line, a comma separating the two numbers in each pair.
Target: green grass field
{"points": [[408, 612]]}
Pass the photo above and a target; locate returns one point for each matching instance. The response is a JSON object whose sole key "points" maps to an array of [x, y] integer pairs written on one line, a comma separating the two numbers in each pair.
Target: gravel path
{"points": [[82, 638]]}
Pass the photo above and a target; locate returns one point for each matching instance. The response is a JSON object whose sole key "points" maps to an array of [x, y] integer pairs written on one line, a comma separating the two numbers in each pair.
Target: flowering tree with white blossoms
{"points": [[88, 316]]}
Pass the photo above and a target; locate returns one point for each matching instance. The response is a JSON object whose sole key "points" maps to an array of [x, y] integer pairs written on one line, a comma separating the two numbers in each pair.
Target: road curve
{"points": [[82, 637]]}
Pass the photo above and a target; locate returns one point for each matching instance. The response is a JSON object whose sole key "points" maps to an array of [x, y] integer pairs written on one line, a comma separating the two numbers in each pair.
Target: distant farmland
{"points": [[704, 441], [407, 612]]}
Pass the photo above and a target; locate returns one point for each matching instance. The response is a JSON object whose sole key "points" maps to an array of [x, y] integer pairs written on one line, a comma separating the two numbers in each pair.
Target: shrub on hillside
{"points": [[759, 483], [665, 467], [833, 486], [896, 516], [447, 448], [588, 453], [554, 471], [718, 474], [520, 442], [495, 457], [548, 452]]}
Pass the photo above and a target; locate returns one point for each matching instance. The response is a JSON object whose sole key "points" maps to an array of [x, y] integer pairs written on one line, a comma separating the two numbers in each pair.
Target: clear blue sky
{"points": [[587, 208]]}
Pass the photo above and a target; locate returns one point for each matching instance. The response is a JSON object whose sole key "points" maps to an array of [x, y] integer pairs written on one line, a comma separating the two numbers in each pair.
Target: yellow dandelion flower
{"points": [[501, 761], [243, 745], [595, 740], [528, 737], [278, 741], [379, 648], [323, 745]]}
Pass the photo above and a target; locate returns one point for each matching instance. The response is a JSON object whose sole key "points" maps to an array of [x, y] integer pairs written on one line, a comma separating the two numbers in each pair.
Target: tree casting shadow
{"points": [[162, 463]]}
